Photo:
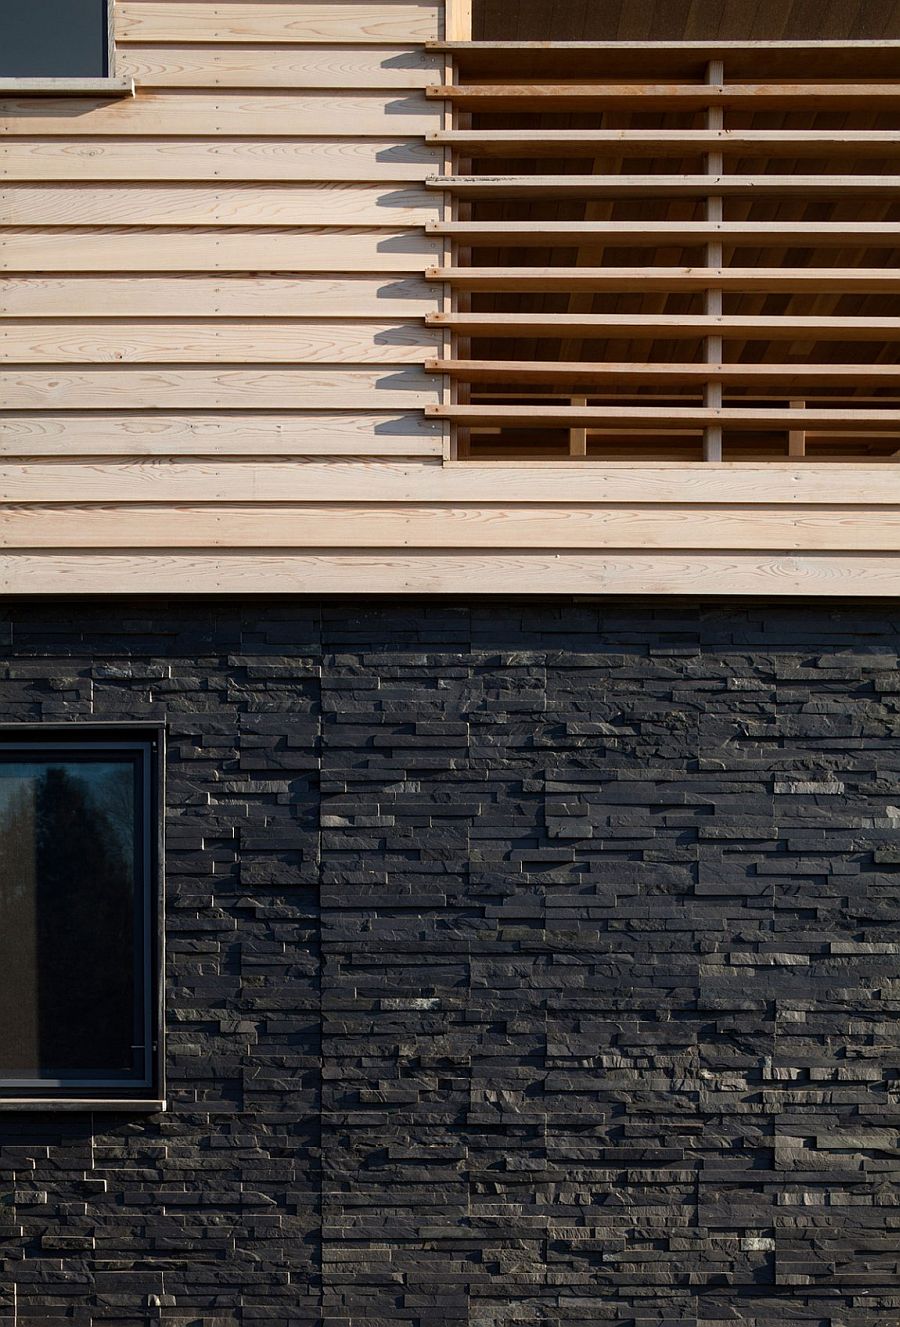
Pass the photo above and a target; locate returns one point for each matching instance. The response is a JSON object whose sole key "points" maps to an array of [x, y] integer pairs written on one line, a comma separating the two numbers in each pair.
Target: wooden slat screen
{"points": [[682, 255]]}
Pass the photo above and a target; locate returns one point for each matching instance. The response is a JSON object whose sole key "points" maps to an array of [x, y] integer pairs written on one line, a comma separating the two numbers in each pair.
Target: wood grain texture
{"points": [[394, 572], [188, 341], [405, 21], [647, 418], [324, 525], [239, 434], [653, 234], [771, 484], [384, 298], [218, 65], [248, 205], [643, 96], [239, 159], [120, 387], [208, 249], [651, 186], [224, 114]]}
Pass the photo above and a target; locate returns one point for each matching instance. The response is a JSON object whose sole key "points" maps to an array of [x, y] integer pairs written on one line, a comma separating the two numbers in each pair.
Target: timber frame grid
{"points": [[779, 383]]}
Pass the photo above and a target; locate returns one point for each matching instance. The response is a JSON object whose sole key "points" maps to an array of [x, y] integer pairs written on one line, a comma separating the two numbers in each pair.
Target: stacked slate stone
{"points": [[529, 962]]}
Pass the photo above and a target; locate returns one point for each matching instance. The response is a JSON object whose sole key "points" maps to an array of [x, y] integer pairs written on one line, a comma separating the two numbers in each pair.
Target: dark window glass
{"points": [[54, 38], [75, 871]]}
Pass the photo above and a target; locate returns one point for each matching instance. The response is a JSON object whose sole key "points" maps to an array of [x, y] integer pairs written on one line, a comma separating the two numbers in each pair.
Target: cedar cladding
{"points": [[258, 323]]}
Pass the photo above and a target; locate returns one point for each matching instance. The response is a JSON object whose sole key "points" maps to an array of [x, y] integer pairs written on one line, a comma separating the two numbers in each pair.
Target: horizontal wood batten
{"points": [[121, 387], [203, 297], [654, 234], [406, 21], [224, 114], [841, 420], [210, 249], [815, 279], [241, 160], [568, 143], [665, 96], [239, 434], [660, 374], [188, 341], [217, 65], [328, 204], [164, 480], [397, 571], [670, 326], [648, 186], [326, 525]]}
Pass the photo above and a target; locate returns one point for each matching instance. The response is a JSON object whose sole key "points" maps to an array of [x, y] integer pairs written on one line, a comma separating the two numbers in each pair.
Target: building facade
{"points": [[449, 728]]}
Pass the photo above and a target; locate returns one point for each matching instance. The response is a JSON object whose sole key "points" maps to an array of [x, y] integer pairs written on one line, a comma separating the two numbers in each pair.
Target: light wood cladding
{"points": [[338, 21], [233, 265], [232, 312]]}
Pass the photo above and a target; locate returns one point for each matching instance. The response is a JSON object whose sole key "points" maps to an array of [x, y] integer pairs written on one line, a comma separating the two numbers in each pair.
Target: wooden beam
{"points": [[631, 279], [605, 374], [668, 142], [457, 21], [653, 234], [841, 420], [648, 186], [669, 326], [566, 96]]}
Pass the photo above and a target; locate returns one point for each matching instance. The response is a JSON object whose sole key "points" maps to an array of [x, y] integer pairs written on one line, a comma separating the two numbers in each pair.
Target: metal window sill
{"points": [[136, 1105], [67, 87]]}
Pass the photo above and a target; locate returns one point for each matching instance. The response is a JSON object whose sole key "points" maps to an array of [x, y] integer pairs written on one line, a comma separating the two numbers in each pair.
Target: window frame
{"points": [[149, 740], [107, 85]]}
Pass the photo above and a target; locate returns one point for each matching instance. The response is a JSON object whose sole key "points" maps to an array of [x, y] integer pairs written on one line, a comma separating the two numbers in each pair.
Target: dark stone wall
{"points": [[529, 962]]}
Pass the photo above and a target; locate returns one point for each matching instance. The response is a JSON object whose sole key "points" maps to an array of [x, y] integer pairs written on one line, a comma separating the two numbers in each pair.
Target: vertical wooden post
{"points": [[797, 437], [715, 120], [577, 435], [457, 20]]}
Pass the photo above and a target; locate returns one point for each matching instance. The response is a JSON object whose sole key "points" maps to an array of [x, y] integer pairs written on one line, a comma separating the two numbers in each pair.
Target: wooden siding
{"points": [[224, 338]]}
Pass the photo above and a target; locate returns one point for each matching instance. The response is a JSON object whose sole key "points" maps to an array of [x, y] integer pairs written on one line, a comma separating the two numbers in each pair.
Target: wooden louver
{"points": [[700, 261]]}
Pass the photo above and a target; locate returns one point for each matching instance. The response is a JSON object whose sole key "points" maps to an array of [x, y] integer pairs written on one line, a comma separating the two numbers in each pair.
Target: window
{"points": [[79, 913], [55, 39]]}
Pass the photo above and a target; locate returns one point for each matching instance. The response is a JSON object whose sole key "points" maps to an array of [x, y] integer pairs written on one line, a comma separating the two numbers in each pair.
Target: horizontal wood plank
{"points": [[603, 375], [629, 279], [650, 186], [248, 205], [671, 326], [839, 420], [405, 21], [639, 96], [188, 341], [203, 249], [294, 525], [773, 484], [375, 432], [653, 234], [238, 159], [224, 114], [568, 143], [382, 298], [219, 65], [120, 387], [399, 572]]}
